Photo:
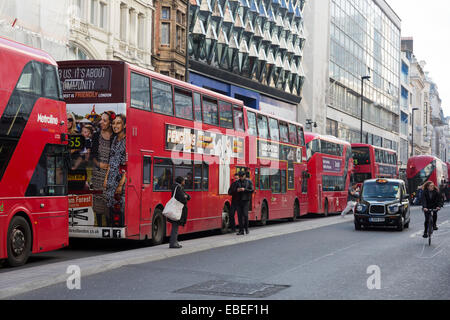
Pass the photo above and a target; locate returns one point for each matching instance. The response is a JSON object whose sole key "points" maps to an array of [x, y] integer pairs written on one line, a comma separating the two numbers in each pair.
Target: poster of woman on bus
{"points": [[98, 167]]}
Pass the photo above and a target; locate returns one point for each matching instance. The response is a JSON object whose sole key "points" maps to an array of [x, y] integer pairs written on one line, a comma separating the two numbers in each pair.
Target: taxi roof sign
{"points": [[382, 181]]}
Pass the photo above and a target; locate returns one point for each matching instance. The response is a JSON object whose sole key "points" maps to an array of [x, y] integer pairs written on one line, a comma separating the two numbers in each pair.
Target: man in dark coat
{"points": [[183, 197], [432, 201], [232, 191], [245, 190]]}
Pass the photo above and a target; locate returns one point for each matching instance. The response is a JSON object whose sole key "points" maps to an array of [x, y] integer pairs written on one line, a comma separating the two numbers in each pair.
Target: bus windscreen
{"points": [[361, 155]]}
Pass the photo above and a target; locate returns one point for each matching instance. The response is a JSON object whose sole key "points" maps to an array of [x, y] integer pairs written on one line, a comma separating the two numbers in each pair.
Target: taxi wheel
{"points": [[357, 226], [400, 226]]}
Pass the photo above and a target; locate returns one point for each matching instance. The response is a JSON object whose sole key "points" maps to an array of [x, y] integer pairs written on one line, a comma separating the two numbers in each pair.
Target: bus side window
{"points": [[197, 107], [210, 111], [283, 181], [226, 115], [52, 88], [198, 171], [205, 179], [256, 178], [274, 131], [301, 136], [263, 128], [293, 134], [238, 116], [50, 175], [146, 168], [275, 178], [252, 124], [265, 179], [162, 97], [140, 91], [162, 174], [183, 104]]}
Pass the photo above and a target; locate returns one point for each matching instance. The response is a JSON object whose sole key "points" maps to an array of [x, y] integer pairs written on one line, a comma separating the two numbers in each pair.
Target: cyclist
{"points": [[431, 201]]}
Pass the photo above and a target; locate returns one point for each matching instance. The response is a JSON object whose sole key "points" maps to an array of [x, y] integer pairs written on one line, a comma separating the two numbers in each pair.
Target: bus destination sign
{"points": [[86, 82]]}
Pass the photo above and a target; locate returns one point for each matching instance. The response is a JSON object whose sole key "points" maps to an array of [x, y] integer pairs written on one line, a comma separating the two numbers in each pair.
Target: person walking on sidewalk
{"points": [[232, 191], [245, 190], [183, 197], [353, 194]]}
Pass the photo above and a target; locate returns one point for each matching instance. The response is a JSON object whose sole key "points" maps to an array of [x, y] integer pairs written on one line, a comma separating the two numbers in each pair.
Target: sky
{"points": [[428, 22]]}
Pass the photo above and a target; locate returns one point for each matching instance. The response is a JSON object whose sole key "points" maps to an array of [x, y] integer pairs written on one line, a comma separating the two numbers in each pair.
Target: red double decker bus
{"points": [[172, 129], [421, 169], [276, 158], [330, 168], [371, 162], [33, 175]]}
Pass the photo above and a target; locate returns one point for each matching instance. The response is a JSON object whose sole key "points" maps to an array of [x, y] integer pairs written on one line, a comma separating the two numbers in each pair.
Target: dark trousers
{"points": [[242, 210], [231, 215], [427, 215], [174, 234]]}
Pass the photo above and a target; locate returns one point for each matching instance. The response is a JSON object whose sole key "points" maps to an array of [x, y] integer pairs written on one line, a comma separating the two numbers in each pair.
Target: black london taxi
{"points": [[383, 202]]}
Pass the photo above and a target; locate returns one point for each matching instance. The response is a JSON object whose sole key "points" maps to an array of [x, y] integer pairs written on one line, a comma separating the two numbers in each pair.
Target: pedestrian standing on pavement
{"points": [[183, 197], [353, 194], [245, 190], [232, 191], [431, 200]]}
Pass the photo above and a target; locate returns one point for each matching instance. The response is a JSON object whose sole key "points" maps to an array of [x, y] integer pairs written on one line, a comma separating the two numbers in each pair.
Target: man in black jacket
{"points": [[245, 190], [232, 191], [432, 202]]}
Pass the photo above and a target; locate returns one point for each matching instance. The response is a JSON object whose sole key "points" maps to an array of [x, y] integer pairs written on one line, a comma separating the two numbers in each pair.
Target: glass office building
{"points": [[365, 40]]}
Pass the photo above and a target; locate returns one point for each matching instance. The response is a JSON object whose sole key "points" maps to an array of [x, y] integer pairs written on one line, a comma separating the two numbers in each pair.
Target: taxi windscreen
{"points": [[376, 190]]}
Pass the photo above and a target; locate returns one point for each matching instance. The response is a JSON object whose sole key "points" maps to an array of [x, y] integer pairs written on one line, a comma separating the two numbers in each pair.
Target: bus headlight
{"points": [[393, 209]]}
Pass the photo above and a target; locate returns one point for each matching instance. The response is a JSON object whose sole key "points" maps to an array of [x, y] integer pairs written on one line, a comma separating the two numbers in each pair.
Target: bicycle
{"points": [[430, 224]]}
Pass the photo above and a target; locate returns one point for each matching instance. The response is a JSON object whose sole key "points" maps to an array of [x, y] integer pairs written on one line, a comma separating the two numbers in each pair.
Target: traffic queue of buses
{"points": [[91, 149]]}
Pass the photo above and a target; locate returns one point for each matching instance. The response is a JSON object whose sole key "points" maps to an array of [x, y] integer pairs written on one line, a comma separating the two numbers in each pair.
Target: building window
{"points": [[103, 15], [93, 19], [165, 34], [165, 13]]}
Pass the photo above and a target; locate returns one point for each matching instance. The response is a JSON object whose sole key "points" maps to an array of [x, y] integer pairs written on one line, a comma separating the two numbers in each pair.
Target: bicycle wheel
{"points": [[430, 228]]}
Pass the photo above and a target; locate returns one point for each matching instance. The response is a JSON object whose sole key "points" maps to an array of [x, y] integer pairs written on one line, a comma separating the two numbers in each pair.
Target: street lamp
{"points": [[412, 131], [310, 123], [362, 103]]}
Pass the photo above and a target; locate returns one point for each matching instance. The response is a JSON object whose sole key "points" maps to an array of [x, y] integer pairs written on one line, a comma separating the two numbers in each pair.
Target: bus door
{"points": [[146, 193]]}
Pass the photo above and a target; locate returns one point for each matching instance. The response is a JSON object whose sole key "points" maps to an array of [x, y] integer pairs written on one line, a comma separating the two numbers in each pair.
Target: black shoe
{"points": [[246, 231], [435, 228], [175, 246], [425, 235], [240, 233]]}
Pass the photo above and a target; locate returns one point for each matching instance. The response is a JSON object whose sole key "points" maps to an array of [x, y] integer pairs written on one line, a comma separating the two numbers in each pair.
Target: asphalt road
{"points": [[333, 262]]}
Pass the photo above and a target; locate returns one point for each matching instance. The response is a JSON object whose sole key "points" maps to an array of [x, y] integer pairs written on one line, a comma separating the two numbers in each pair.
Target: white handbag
{"points": [[173, 208]]}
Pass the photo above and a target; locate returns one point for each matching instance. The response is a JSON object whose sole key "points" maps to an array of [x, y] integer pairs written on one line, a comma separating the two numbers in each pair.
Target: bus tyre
{"points": [[325, 211], [158, 227], [225, 219], [296, 213], [18, 242], [264, 215]]}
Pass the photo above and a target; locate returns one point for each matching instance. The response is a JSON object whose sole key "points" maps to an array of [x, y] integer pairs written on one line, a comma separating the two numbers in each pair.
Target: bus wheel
{"points": [[296, 211], [158, 227], [325, 211], [264, 215], [225, 219], [18, 242]]}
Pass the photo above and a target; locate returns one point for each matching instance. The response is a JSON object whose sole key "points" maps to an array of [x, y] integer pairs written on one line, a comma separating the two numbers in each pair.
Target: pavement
{"points": [[18, 282]]}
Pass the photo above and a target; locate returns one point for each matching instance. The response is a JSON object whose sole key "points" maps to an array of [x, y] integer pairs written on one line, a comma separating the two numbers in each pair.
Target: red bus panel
{"points": [[33, 182]]}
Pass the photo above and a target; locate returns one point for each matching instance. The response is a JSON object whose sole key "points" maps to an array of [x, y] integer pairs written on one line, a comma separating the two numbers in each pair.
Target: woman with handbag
{"points": [[183, 197]]}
